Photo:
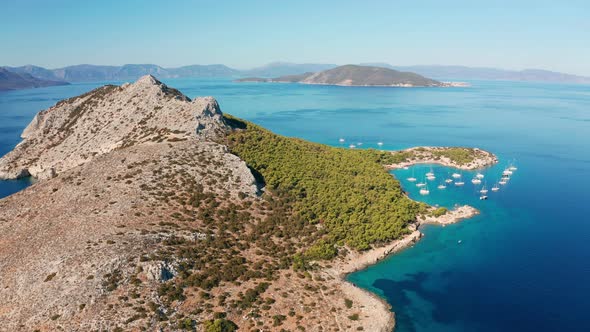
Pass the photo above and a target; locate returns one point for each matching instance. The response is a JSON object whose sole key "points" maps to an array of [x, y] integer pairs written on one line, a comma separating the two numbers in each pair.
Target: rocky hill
{"points": [[156, 212], [14, 81]]}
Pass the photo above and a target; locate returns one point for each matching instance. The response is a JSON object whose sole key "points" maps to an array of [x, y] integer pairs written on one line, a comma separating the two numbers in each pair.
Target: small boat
{"points": [[456, 175], [442, 186], [405, 167], [352, 146], [495, 188], [431, 177], [459, 183], [359, 143], [431, 173], [483, 197], [448, 180], [503, 182], [512, 168], [459, 242], [507, 172], [479, 176], [341, 140], [380, 143], [420, 184], [483, 190], [476, 181], [412, 178], [424, 191]]}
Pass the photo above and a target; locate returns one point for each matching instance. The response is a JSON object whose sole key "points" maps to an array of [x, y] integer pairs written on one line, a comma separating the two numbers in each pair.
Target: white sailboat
{"points": [[412, 178], [484, 190], [341, 140], [442, 186], [380, 144], [507, 172], [424, 191], [431, 173], [456, 175], [483, 197], [475, 180], [448, 181], [496, 187], [352, 146], [479, 176], [503, 181], [420, 184], [459, 183], [431, 177]]}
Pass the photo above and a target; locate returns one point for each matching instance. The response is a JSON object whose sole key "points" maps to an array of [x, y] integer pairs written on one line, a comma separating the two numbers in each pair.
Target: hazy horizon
{"points": [[503, 34]]}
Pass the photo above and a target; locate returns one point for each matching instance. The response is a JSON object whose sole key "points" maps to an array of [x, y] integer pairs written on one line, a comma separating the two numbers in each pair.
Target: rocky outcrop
{"points": [[77, 130]]}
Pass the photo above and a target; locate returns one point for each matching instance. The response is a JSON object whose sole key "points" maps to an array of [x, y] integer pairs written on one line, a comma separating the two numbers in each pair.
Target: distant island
{"points": [[355, 75], [14, 81]]}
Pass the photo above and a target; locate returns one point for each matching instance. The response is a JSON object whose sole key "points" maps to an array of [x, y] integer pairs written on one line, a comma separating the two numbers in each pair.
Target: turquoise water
{"points": [[523, 264]]}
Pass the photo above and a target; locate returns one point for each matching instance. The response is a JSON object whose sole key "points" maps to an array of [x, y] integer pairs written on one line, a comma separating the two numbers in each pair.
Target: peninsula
{"points": [[457, 157], [157, 212], [355, 75]]}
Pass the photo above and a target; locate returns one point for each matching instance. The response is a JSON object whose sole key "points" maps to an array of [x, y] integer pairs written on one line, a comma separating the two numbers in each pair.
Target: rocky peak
{"points": [[76, 130]]}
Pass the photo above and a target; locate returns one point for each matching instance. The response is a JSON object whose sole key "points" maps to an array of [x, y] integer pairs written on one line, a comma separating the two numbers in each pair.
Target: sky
{"points": [[517, 34]]}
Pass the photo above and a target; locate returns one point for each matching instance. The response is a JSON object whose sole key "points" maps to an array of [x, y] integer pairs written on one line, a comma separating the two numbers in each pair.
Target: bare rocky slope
{"points": [[143, 220]]}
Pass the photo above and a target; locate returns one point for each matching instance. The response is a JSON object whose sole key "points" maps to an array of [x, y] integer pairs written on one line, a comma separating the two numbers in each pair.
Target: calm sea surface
{"points": [[523, 264]]}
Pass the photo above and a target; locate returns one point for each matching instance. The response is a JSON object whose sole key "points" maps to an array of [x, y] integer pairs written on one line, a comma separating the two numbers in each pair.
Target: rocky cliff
{"points": [[77, 130]]}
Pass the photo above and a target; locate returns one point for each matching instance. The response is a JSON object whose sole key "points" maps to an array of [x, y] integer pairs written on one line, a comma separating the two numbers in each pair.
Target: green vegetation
{"points": [[347, 192], [220, 325], [348, 303], [460, 156], [441, 211]]}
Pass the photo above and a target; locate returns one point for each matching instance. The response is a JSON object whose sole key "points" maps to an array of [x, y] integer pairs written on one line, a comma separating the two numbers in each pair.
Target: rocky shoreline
{"points": [[379, 316], [443, 156]]}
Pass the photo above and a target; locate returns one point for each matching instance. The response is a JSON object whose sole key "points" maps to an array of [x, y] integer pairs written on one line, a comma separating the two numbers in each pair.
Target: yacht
{"points": [[341, 140], [430, 177], [476, 181], [479, 176], [512, 168], [352, 146], [483, 190], [380, 143], [420, 184], [456, 175], [442, 186], [431, 173], [448, 181], [503, 181], [483, 197], [507, 172], [459, 183], [405, 167], [424, 191], [412, 178]]}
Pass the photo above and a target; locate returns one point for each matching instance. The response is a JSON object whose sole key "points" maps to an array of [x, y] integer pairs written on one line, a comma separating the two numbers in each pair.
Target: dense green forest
{"points": [[348, 194]]}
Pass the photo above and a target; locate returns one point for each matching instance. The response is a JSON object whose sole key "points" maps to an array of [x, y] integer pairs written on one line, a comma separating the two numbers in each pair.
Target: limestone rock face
{"points": [[76, 130]]}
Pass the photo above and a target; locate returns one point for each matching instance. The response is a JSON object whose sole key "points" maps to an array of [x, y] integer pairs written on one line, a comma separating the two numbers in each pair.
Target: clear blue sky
{"points": [[513, 34]]}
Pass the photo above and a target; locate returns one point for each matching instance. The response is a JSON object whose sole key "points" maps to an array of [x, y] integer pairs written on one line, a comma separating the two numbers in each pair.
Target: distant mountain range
{"points": [[483, 73], [15, 81], [355, 75], [130, 72]]}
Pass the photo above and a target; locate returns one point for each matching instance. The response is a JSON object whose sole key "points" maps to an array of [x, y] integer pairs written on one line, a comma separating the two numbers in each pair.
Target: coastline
{"points": [[436, 155], [377, 313]]}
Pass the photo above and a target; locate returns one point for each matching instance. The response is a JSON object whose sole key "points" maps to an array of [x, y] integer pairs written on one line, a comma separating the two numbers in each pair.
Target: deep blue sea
{"points": [[523, 264]]}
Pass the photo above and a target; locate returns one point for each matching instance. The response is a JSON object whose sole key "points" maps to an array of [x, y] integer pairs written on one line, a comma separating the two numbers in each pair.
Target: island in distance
{"points": [[355, 75], [14, 81]]}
